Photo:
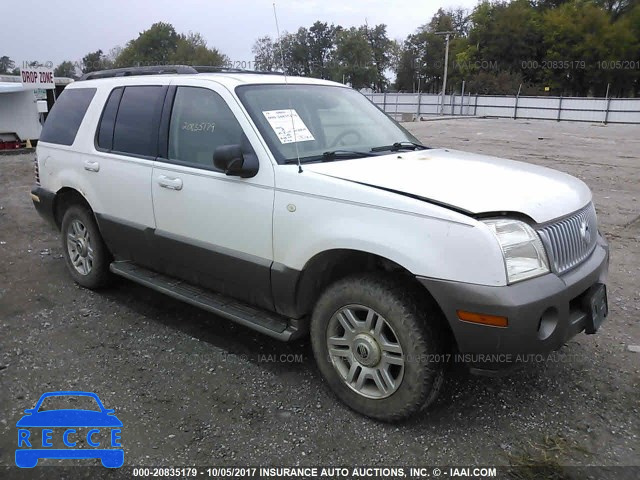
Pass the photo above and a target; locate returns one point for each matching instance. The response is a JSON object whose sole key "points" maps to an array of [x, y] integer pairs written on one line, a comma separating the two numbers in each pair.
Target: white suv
{"points": [[296, 206]]}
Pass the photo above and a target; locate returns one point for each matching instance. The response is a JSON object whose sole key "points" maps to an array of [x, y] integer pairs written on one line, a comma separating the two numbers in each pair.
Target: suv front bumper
{"points": [[557, 298]]}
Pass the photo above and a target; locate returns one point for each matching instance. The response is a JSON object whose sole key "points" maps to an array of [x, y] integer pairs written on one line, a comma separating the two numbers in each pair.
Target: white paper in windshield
{"points": [[283, 123]]}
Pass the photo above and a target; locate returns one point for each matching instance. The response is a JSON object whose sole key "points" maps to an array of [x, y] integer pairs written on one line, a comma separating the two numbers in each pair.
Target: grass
{"points": [[543, 459]]}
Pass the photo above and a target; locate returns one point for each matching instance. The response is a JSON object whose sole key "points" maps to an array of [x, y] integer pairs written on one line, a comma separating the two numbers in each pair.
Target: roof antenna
{"points": [[284, 70]]}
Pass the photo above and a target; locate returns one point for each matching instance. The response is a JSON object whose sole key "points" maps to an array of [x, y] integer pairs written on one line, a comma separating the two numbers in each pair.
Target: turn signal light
{"points": [[483, 319]]}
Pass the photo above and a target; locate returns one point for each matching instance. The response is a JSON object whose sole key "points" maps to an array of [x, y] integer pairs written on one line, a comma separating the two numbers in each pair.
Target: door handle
{"points": [[170, 183], [91, 166]]}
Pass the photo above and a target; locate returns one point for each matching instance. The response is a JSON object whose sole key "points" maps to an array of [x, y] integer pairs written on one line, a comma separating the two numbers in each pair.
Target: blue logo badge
{"points": [[40, 430]]}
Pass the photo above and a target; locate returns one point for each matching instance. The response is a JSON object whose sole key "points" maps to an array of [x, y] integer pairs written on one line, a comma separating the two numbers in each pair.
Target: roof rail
{"points": [[164, 69], [150, 70], [213, 69]]}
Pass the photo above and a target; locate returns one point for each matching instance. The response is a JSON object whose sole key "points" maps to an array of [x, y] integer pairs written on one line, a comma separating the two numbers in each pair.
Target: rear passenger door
{"points": [[126, 144], [212, 229]]}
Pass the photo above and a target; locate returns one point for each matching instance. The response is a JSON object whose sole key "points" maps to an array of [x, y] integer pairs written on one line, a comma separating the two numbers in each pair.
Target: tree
{"points": [[65, 69], [154, 46], [264, 54], [422, 57], [354, 59], [162, 45], [321, 41], [293, 48], [509, 35], [584, 31], [94, 61], [192, 49], [381, 52], [6, 64]]}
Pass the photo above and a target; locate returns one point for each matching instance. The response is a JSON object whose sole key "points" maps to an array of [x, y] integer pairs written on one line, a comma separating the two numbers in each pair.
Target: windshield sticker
{"points": [[283, 123]]}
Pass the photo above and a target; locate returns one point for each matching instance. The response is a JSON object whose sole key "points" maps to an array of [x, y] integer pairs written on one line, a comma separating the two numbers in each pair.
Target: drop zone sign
{"points": [[37, 77]]}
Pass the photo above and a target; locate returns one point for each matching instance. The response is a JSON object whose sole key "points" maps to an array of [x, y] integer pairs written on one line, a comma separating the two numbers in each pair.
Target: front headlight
{"points": [[522, 249]]}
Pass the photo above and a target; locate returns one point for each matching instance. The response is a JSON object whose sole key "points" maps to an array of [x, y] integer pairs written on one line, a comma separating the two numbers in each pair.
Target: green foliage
{"points": [[154, 46], [576, 47], [162, 45], [65, 69], [585, 32], [354, 62], [359, 56], [192, 50], [322, 47], [6, 64], [94, 61], [264, 54]]}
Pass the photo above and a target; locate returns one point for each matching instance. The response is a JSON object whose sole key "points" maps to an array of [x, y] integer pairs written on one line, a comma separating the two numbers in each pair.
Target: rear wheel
{"points": [[85, 253], [378, 343]]}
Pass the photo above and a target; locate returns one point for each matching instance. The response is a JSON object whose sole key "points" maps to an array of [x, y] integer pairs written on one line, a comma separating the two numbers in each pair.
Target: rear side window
{"points": [[138, 120], [66, 116], [104, 137]]}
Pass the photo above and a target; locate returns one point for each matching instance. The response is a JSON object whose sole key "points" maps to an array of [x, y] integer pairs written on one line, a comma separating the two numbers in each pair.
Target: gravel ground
{"points": [[194, 389]]}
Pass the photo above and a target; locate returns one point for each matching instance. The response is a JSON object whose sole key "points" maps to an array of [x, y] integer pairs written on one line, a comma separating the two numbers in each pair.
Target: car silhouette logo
{"points": [[72, 421]]}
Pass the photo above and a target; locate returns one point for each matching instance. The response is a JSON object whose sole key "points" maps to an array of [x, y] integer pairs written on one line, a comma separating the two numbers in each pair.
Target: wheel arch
{"points": [[65, 197], [296, 293]]}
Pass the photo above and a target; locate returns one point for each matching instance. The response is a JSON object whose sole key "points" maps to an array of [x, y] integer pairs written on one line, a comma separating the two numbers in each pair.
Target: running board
{"points": [[271, 324]]}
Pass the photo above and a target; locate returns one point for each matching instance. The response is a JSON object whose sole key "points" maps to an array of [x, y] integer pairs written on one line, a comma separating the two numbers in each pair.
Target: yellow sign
{"points": [[546, 89]]}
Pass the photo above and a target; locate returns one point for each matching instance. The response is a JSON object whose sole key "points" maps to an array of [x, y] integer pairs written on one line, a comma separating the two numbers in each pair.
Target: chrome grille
{"points": [[571, 240]]}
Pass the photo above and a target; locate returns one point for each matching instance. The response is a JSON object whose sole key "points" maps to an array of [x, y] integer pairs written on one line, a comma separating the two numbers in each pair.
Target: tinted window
{"points": [[200, 122], [137, 122], [66, 116], [108, 120]]}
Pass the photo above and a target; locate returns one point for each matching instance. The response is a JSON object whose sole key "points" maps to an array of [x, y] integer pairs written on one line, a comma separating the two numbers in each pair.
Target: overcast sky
{"points": [[68, 29]]}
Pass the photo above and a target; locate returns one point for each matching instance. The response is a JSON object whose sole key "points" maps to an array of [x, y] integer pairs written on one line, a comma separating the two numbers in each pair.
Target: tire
{"points": [[411, 331], [84, 250]]}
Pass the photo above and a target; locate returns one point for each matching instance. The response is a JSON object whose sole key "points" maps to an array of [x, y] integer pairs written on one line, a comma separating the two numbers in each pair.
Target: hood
{"points": [[468, 182]]}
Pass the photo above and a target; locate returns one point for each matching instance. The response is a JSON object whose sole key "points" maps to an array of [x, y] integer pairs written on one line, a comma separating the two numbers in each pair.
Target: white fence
{"points": [[410, 106]]}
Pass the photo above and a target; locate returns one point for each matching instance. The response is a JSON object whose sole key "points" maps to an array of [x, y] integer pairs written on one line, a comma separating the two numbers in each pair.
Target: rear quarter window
{"points": [[66, 116], [104, 137], [138, 120]]}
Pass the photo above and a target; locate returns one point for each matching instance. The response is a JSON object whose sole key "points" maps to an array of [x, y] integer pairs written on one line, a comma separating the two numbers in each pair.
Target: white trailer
{"points": [[21, 113]]}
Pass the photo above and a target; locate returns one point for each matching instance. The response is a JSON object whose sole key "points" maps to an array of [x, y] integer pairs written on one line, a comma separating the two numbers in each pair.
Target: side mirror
{"points": [[233, 162]]}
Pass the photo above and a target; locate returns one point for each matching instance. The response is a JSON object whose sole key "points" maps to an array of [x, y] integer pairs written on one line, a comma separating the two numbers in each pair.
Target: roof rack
{"points": [[212, 69], [165, 69], [128, 71]]}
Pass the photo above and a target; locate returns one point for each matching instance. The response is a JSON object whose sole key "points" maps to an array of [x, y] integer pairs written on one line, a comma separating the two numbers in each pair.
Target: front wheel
{"points": [[377, 342]]}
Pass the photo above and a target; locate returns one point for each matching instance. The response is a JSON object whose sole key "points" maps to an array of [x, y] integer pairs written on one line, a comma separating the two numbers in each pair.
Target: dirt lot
{"points": [[194, 389]]}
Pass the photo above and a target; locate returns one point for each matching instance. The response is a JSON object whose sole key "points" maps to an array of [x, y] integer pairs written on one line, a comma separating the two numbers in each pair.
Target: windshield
{"points": [[323, 122], [74, 402]]}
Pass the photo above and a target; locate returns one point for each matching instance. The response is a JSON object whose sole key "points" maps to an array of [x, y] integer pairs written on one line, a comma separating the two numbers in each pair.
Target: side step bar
{"points": [[257, 319]]}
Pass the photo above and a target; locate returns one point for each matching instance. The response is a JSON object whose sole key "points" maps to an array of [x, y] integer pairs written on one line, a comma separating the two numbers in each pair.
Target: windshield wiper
{"points": [[330, 156], [405, 145]]}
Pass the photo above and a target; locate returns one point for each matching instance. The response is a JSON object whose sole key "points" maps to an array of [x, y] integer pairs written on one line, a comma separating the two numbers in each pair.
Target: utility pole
{"points": [[446, 67]]}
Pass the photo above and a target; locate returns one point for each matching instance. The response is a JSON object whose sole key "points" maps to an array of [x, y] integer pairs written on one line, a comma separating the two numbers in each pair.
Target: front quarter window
{"points": [[321, 119]]}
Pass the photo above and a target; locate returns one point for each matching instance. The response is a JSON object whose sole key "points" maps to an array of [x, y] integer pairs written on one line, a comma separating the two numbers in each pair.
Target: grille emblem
{"points": [[585, 233]]}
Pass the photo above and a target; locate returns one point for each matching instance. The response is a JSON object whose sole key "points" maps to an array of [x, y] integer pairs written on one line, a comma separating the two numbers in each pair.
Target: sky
{"points": [[69, 29]]}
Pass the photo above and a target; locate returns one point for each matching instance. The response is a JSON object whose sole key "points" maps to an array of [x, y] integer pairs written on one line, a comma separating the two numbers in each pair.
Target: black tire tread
{"points": [[416, 314]]}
